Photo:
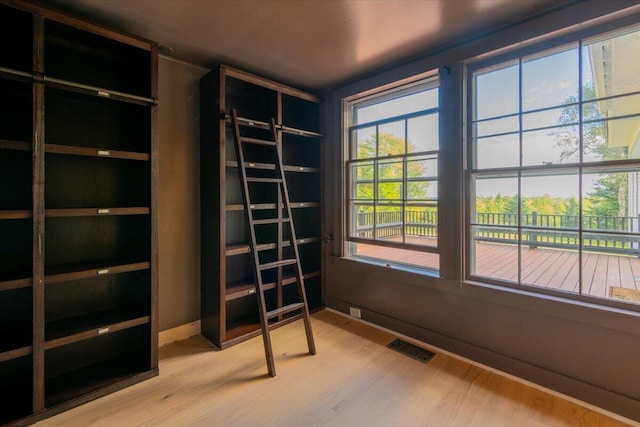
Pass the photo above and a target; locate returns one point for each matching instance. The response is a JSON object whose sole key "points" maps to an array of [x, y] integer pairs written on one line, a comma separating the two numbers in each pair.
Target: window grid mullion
{"points": [[520, 155], [375, 195], [580, 169], [405, 189]]}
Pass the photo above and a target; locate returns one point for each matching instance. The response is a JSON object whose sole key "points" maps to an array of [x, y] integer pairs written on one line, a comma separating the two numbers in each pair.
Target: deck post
{"points": [[533, 235]]}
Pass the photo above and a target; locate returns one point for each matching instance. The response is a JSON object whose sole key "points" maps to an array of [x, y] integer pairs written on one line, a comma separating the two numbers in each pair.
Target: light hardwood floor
{"points": [[354, 380]]}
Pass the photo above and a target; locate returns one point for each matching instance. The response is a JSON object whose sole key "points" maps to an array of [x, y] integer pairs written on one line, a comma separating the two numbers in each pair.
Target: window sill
{"points": [[395, 266]]}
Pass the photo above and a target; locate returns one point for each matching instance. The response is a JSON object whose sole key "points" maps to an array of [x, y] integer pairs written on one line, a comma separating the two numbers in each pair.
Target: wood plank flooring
{"points": [[354, 380]]}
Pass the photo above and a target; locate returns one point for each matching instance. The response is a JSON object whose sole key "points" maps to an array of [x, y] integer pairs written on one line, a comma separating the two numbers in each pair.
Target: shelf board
{"points": [[301, 169], [15, 340], [67, 331], [300, 132], [86, 380], [18, 75], [267, 206], [8, 144], [297, 205], [96, 152], [57, 213], [239, 331], [244, 288], [15, 353], [16, 214], [99, 92], [7, 285], [65, 273], [271, 166], [232, 250], [253, 165]]}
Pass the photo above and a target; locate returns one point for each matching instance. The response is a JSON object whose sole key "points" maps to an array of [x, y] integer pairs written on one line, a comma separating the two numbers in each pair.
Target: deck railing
{"points": [[537, 230]]}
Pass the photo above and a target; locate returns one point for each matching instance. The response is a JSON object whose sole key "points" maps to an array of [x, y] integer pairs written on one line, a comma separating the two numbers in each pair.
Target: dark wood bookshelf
{"points": [[78, 211], [229, 311]]}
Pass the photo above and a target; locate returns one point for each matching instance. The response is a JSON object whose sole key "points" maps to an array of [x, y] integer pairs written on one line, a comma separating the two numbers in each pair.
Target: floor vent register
{"points": [[413, 351]]}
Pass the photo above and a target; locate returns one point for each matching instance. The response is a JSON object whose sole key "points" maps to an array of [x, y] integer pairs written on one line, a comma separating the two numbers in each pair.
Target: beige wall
{"points": [[179, 193]]}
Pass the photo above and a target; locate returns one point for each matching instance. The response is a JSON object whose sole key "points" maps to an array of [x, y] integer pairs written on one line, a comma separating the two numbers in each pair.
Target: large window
{"points": [[392, 170], [552, 172]]}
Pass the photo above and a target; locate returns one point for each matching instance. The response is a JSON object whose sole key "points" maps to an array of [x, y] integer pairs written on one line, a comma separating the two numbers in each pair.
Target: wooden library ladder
{"points": [[251, 176]]}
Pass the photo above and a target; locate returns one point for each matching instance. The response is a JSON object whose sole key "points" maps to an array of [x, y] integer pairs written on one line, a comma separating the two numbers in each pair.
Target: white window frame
{"points": [[395, 90], [515, 55]]}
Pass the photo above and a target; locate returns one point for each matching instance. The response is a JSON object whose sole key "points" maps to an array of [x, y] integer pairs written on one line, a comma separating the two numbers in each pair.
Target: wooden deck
{"points": [[603, 275]]}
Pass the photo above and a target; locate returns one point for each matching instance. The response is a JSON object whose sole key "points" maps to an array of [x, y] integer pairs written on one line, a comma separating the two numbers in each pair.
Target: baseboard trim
{"points": [[178, 333], [437, 349]]}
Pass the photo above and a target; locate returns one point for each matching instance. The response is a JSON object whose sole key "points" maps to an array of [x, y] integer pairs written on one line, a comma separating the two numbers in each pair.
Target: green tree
{"points": [[609, 196], [391, 169]]}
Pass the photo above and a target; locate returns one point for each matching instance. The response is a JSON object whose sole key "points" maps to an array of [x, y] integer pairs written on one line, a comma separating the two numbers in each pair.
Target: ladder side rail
{"points": [[264, 323], [294, 244]]}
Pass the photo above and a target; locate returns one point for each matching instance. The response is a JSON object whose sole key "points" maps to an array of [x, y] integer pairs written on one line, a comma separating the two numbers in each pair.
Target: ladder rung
{"points": [[275, 180], [285, 321], [284, 310], [277, 264], [270, 221], [257, 141]]}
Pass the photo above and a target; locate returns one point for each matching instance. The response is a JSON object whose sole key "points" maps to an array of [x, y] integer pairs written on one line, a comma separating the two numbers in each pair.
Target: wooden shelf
{"points": [[19, 214], [68, 331], [267, 206], [59, 213], [7, 285], [15, 340], [99, 92], [300, 132], [95, 152], [7, 144], [86, 380], [15, 353], [114, 63], [238, 331], [241, 330], [300, 169], [243, 289], [233, 250], [87, 270], [271, 166]]}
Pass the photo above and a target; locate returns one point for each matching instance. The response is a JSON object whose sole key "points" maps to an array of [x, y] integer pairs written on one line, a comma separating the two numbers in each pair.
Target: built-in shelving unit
{"points": [[229, 303], [78, 246]]}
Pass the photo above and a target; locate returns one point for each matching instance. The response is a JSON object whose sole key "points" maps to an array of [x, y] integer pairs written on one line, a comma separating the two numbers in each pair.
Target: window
{"points": [[392, 175], [552, 170]]}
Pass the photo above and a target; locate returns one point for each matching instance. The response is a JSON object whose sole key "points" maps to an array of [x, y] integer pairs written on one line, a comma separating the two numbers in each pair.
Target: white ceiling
{"points": [[311, 43]]}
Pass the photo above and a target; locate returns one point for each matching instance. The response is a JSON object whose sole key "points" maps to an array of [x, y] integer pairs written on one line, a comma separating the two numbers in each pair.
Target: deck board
{"points": [[551, 268]]}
